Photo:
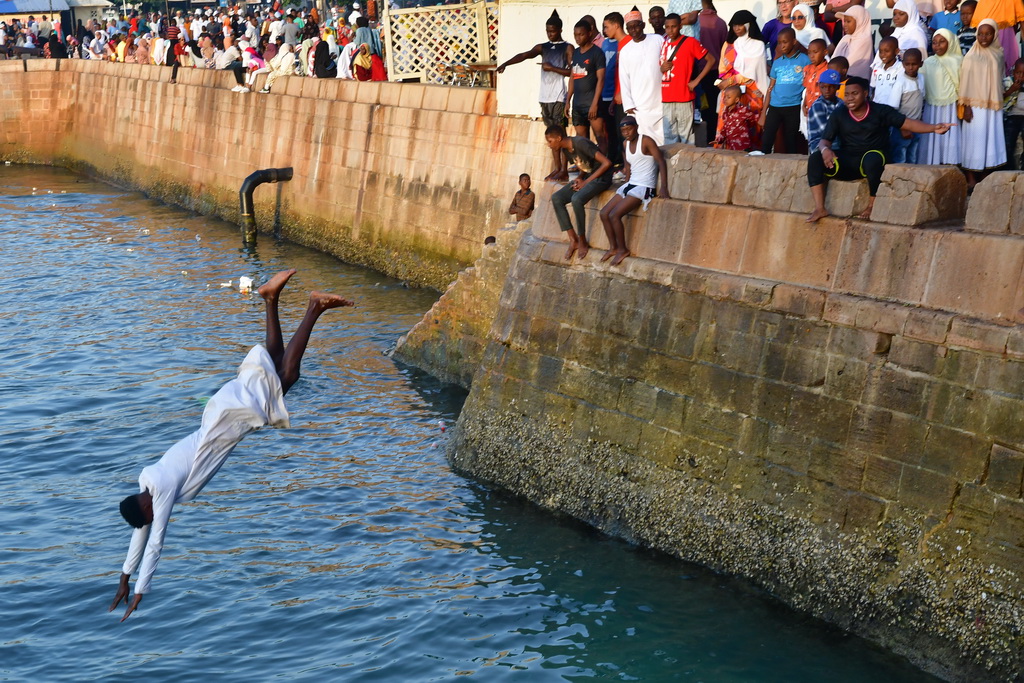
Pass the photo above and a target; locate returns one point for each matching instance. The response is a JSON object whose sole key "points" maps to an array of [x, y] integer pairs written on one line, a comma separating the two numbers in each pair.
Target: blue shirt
{"points": [[788, 73], [610, 48], [947, 20]]}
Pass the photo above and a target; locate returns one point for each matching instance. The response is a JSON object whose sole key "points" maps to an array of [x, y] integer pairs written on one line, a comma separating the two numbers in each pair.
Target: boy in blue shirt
{"points": [[785, 94], [948, 18]]}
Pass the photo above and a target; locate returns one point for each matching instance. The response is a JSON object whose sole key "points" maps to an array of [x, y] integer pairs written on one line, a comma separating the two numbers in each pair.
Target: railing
{"points": [[427, 43]]}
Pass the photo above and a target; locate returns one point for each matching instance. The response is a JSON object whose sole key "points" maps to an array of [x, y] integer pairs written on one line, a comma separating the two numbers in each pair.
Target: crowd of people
{"points": [[937, 83], [344, 44]]}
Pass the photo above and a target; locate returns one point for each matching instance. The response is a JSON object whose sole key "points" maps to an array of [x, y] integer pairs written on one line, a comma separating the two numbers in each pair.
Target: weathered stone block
{"points": [[777, 182], [977, 275], [1006, 471], [990, 207], [844, 468], [802, 301], [783, 247], [715, 237], [863, 512], [882, 261], [1008, 522], [915, 195], [844, 198], [857, 343], [977, 334], [954, 453], [701, 175], [882, 477], [930, 326], [913, 355], [926, 490]]}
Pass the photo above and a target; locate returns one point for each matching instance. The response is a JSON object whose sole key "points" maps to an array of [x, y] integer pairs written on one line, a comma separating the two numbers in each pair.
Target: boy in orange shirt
{"points": [[816, 52]]}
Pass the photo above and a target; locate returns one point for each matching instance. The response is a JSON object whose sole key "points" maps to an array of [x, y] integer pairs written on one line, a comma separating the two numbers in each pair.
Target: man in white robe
{"points": [[253, 399], [640, 77]]}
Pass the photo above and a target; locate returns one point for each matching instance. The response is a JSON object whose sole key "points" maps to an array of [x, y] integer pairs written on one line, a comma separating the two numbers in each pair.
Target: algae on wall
{"points": [[450, 339], [726, 432]]}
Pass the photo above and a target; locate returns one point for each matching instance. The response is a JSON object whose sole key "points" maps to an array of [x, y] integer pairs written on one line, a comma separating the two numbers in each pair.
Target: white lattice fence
{"points": [[426, 42]]}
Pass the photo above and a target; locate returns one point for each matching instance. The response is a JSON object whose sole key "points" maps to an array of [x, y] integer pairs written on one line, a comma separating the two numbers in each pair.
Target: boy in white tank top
{"points": [[644, 164]]}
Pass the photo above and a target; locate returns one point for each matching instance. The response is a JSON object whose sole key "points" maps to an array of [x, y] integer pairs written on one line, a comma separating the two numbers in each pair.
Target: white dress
{"points": [[983, 142], [940, 149]]}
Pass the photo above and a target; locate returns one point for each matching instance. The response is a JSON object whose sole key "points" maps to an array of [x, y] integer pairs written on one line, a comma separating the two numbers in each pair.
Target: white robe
{"points": [[640, 81], [250, 401]]}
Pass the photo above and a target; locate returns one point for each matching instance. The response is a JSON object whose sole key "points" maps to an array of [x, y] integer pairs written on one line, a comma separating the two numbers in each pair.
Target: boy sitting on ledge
{"points": [[595, 177], [862, 130]]}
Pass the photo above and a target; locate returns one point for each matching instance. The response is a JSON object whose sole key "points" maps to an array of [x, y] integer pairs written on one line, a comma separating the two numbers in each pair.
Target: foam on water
{"points": [[343, 546]]}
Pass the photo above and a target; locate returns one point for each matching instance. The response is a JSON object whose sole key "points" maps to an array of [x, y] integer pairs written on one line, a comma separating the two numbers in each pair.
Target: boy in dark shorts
{"points": [[585, 85], [556, 57], [862, 130], [595, 177]]}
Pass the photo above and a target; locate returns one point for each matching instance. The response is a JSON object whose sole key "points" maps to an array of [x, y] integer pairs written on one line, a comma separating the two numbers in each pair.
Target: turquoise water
{"points": [[343, 547]]}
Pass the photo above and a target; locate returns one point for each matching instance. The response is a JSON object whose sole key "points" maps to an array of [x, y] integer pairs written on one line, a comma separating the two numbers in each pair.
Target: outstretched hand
{"points": [[122, 593], [131, 608]]}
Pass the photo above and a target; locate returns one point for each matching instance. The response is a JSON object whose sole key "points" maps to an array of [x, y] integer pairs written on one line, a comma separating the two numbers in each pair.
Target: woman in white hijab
{"points": [[856, 44], [907, 27], [283, 64], [982, 142], [94, 50], [345, 61], [805, 27]]}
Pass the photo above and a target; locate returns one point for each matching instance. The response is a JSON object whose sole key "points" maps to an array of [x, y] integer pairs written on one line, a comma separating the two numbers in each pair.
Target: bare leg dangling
{"points": [[318, 303]]}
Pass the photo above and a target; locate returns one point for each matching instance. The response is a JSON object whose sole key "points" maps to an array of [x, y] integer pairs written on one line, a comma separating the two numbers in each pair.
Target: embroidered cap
{"points": [[829, 77]]}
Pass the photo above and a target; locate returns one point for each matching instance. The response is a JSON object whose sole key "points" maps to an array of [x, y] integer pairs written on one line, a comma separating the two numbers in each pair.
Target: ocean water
{"points": [[343, 548]]}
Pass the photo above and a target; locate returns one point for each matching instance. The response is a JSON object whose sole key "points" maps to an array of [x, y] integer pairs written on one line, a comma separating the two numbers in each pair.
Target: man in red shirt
{"points": [[678, 55]]}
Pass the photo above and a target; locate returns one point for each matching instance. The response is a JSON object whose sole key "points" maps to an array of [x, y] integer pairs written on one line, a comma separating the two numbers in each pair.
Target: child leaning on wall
{"points": [[524, 199]]}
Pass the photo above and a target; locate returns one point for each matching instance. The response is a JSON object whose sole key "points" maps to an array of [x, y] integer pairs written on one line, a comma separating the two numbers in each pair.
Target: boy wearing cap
{"points": [[644, 165], [640, 77], [862, 130], [822, 108]]}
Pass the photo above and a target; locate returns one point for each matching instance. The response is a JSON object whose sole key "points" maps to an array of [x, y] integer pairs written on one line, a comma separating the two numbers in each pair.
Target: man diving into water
{"points": [[253, 399]]}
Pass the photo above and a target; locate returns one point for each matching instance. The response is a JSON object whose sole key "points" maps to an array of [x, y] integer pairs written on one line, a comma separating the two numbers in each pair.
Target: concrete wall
{"points": [[407, 179], [832, 411]]}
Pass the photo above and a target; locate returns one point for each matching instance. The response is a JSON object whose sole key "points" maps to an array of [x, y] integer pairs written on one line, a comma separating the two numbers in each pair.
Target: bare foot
{"points": [[272, 288], [817, 216], [558, 177], [607, 255], [620, 256], [866, 213], [324, 300], [583, 250], [570, 251]]}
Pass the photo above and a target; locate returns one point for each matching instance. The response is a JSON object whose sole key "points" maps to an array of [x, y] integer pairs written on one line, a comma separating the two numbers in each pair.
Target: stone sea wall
{"points": [[834, 411], [405, 178]]}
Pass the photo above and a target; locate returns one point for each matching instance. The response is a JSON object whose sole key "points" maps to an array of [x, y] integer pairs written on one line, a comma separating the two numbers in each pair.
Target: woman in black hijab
{"points": [[57, 49], [323, 65]]}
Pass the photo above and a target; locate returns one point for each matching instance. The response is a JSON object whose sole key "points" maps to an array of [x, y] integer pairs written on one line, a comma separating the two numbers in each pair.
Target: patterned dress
{"points": [[737, 127]]}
